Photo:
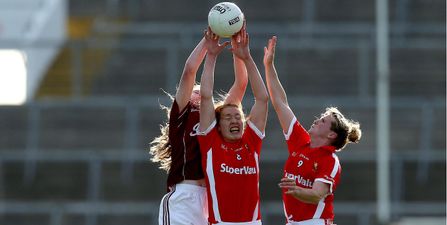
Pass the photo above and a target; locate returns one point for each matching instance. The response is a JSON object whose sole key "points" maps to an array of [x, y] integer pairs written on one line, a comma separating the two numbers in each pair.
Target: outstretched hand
{"points": [[240, 43], [212, 42], [289, 185], [269, 51]]}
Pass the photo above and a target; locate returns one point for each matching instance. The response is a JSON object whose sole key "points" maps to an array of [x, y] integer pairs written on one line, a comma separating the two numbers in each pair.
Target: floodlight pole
{"points": [[383, 142]]}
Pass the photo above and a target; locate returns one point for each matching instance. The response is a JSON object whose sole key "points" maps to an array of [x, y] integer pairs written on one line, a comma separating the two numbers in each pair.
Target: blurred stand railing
{"points": [[93, 207]]}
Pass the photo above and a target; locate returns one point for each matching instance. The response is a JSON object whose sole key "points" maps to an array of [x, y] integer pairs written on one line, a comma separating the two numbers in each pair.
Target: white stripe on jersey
{"points": [[184, 155], [285, 212], [336, 165], [320, 209], [255, 129], [183, 113], [212, 187], [327, 182], [289, 132], [205, 132], [334, 171], [255, 213]]}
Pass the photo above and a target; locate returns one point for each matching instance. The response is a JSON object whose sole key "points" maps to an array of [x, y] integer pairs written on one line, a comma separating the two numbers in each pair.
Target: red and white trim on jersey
{"points": [[333, 173], [232, 175], [320, 208], [212, 185], [289, 131], [255, 129], [256, 156], [261, 135]]}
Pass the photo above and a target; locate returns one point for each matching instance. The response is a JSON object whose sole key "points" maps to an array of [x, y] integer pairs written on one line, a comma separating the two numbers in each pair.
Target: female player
{"points": [[177, 149], [312, 170], [230, 150]]}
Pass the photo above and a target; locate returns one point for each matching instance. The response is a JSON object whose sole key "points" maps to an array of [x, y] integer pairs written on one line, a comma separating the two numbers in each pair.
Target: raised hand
{"points": [[212, 42], [240, 44], [269, 51]]}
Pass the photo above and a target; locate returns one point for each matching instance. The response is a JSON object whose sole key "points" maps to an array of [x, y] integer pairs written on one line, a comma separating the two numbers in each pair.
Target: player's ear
{"points": [[332, 135]]}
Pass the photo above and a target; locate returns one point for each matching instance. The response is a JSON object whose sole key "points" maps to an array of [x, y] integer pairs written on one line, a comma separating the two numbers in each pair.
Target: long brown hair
{"points": [[160, 147]]}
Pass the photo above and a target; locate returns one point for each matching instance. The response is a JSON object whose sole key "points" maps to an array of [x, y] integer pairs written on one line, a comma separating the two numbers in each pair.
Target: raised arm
{"points": [[277, 94], [237, 91], [241, 49], [213, 47], [188, 78]]}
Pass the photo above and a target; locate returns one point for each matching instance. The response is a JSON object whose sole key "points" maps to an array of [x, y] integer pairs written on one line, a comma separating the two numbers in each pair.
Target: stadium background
{"points": [[77, 151]]}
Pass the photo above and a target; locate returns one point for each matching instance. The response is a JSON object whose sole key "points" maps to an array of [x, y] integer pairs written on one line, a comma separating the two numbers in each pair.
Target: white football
{"points": [[225, 19]]}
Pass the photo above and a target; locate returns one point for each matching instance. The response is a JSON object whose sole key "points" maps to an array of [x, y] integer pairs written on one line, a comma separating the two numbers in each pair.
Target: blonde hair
{"points": [[348, 131], [160, 148]]}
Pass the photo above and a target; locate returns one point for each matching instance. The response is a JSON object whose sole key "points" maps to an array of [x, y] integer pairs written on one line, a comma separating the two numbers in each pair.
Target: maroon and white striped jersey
{"points": [[185, 155]]}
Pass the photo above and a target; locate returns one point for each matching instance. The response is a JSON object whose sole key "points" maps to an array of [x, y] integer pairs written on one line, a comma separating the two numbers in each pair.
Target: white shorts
{"points": [[258, 222], [185, 204], [312, 222]]}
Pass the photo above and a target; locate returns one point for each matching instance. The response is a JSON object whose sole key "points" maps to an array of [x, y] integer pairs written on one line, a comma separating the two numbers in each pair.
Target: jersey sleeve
{"points": [[329, 171], [207, 137], [176, 119], [296, 135], [254, 136], [176, 116]]}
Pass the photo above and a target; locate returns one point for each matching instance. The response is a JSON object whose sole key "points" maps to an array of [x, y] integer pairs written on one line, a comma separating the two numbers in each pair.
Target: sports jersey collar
{"points": [[328, 148], [235, 146]]}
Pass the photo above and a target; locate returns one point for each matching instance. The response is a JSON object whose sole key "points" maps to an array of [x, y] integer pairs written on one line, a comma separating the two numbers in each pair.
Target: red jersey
{"points": [[185, 153], [307, 165], [232, 175]]}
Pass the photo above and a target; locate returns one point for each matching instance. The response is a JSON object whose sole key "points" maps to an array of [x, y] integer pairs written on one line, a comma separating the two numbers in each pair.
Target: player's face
{"points": [[322, 127], [195, 97], [231, 124]]}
